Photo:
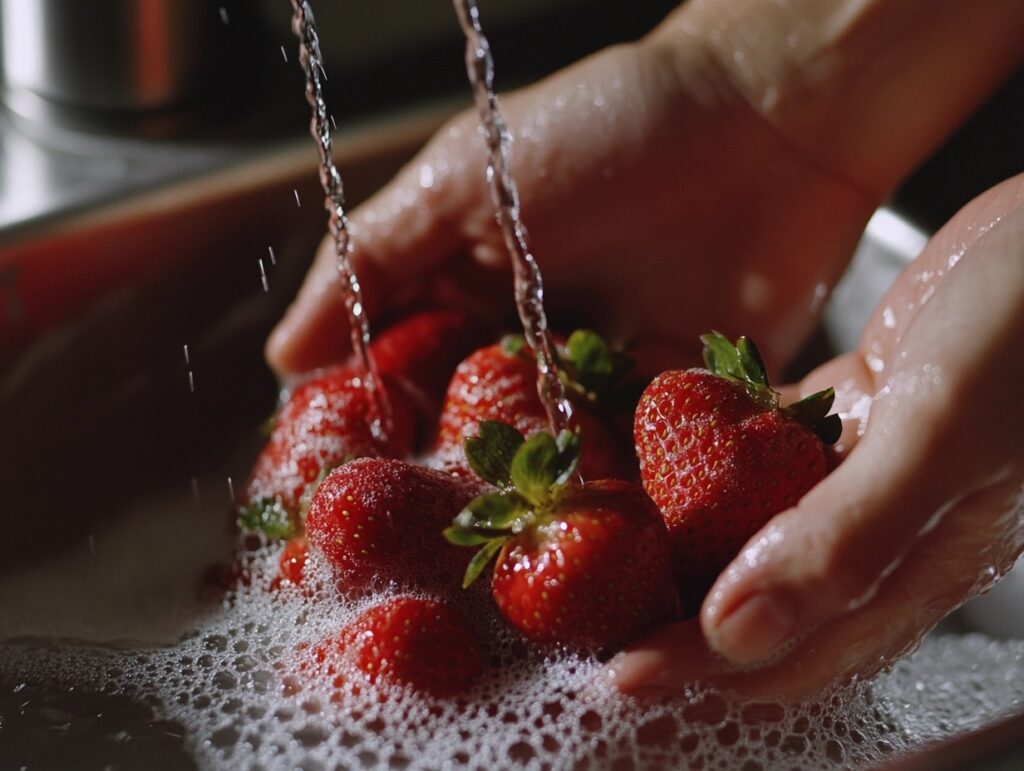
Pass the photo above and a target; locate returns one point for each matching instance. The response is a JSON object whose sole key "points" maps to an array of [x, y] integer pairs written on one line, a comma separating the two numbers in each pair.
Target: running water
{"points": [[304, 27], [529, 287]]}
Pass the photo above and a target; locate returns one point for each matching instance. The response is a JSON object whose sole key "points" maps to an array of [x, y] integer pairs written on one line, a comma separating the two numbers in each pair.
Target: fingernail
{"points": [[635, 672], [754, 629]]}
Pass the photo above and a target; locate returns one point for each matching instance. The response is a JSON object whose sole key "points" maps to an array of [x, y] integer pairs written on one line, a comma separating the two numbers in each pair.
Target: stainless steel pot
{"points": [[115, 55]]}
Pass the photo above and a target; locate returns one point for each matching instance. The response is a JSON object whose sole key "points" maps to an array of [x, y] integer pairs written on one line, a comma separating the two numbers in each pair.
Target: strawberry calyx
{"points": [[269, 517], [813, 412], [530, 475], [741, 363], [588, 366]]}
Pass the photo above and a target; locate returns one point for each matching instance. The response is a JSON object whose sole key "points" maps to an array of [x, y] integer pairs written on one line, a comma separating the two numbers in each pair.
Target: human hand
{"points": [[926, 511], [715, 174], [639, 185]]}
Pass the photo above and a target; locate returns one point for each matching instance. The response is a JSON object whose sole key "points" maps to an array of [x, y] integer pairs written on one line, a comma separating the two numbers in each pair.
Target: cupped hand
{"points": [[658, 202], [926, 511]]}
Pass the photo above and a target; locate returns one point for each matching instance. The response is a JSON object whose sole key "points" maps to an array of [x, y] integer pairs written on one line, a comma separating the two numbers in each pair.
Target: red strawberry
{"points": [[499, 383], [720, 457], [586, 565], [422, 349], [408, 641], [324, 424], [383, 518], [292, 561]]}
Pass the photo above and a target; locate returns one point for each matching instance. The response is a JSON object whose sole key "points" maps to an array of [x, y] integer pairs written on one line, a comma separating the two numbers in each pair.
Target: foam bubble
{"points": [[236, 686]]}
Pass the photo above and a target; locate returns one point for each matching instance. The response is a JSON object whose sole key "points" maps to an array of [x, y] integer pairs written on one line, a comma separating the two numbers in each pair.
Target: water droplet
{"points": [[263, 276], [224, 15], [888, 317], [426, 176], [284, 54], [298, 202], [273, 257]]}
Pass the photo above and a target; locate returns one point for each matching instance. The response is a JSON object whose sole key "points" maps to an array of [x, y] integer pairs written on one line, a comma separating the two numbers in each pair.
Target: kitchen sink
{"points": [[132, 383]]}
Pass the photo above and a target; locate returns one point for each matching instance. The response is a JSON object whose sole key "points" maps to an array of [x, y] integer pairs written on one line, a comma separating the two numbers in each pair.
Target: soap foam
{"points": [[237, 683]]}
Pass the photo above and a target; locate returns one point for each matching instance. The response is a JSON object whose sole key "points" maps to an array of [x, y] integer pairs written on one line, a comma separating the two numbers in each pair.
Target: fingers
{"points": [[824, 557], [398, 236], [315, 330], [938, 431], [977, 540]]}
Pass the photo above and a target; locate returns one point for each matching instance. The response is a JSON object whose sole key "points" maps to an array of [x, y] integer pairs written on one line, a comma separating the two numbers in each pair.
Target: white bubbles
{"points": [[240, 684]]}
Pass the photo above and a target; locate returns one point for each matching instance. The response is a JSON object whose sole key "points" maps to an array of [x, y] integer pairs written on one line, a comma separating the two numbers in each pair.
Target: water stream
{"points": [[304, 27], [529, 286]]}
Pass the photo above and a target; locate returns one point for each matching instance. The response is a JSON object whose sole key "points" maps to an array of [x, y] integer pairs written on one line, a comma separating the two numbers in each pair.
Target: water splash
{"points": [[304, 27], [189, 375], [529, 286], [263, 276]]}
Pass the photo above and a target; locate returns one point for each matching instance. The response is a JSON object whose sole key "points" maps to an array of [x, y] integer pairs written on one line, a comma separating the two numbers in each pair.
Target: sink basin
{"points": [[123, 449]]}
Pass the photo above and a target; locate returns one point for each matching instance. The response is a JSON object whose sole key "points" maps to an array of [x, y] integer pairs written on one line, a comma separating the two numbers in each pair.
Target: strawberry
{"points": [[292, 561], [378, 517], [408, 641], [584, 565], [422, 349], [720, 456], [499, 383], [324, 422]]}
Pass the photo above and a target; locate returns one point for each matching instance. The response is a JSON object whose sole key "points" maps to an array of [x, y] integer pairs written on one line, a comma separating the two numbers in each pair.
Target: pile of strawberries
{"points": [[591, 549]]}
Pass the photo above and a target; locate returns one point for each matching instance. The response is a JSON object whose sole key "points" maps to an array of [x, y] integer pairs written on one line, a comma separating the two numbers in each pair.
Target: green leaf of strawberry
{"points": [[813, 411], [480, 560], [266, 516], [742, 363], [490, 454], [534, 467], [496, 511], [531, 480], [514, 345], [590, 366]]}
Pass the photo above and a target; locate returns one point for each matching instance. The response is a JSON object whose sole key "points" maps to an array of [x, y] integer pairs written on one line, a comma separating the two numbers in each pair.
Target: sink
{"points": [[115, 439]]}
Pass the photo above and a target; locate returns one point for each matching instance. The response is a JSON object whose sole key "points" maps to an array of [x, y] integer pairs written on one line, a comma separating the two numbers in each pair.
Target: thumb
{"points": [[401, 233]]}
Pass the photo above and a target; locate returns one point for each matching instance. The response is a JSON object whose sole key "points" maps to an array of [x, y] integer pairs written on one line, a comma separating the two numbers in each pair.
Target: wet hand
{"points": [[652, 191], [716, 174], [924, 513]]}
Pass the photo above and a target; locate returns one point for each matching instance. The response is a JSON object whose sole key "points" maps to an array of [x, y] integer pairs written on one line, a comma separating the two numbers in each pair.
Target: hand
{"points": [[716, 174], [926, 511], [644, 183]]}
